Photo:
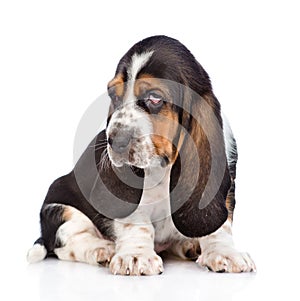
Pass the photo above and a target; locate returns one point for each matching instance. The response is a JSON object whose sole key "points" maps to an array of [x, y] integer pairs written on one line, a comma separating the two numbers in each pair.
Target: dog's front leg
{"points": [[135, 253], [219, 254]]}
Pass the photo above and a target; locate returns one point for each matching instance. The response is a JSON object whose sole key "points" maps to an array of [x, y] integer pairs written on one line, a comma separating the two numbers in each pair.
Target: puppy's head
{"points": [[163, 111], [147, 95]]}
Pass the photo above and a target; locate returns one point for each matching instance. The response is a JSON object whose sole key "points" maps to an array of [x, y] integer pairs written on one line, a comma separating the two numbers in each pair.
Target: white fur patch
{"points": [[36, 253], [219, 254], [138, 61], [135, 253], [134, 120], [156, 202], [81, 240], [77, 223], [230, 145], [151, 222], [142, 148]]}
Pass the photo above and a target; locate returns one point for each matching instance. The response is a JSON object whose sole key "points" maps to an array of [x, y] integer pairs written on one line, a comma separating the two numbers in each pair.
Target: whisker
{"points": [[104, 162], [100, 147], [99, 143]]}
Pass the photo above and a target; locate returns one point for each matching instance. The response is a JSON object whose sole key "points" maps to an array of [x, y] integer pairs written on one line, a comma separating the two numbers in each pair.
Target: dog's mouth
{"points": [[137, 155], [134, 143]]}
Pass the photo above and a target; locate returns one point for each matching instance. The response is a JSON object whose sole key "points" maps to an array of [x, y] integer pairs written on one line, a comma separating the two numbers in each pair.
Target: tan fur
{"points": [[67, 214], [144, 229], [229, 201], [72, 256], [128, 225], [118, 83], [165, 125], [80, 239]]}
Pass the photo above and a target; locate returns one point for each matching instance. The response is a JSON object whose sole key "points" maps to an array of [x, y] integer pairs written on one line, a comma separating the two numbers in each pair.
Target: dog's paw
{"points": [[227, 260], [146, 263], [100, 253], [191, 249], [104, 255], [186, 249]]}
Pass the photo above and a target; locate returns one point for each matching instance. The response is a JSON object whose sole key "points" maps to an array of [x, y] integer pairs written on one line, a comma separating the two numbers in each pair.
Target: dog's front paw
{"points": [[227, 260], [146, 263]]}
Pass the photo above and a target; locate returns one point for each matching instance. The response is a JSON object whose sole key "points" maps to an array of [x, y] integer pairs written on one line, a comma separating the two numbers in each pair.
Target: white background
{"points": [[56, 59]]}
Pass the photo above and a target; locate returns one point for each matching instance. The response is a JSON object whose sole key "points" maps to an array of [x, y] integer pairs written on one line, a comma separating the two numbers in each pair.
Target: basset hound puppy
{"points": [[160, 177]]}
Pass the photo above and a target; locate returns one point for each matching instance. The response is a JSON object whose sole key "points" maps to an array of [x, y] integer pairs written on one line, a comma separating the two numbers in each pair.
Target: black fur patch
{"points": [[51, 219]]}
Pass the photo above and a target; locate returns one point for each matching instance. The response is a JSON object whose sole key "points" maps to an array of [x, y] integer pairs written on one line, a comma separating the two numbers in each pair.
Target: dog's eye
{"points": [[151, 101], [153, 98]]}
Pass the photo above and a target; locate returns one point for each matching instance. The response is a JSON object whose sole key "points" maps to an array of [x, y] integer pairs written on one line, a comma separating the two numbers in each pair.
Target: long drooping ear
{"points": [[199, 178], [113, 192]]}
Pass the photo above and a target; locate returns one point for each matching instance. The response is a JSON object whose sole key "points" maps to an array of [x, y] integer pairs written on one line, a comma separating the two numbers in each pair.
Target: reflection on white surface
{"points": [[58, 280]]}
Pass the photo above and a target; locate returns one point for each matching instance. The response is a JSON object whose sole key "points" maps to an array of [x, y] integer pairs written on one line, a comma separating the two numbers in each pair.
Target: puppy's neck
{"points": [[156, 175]]}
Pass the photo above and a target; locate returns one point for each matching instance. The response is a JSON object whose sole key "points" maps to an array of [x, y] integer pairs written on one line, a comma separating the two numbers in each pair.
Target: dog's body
{"points": [[159, 177]]}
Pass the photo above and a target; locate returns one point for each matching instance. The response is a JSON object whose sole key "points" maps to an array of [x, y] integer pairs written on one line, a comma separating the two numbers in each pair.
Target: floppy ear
{"points": [[200, 178], [113, 192]]}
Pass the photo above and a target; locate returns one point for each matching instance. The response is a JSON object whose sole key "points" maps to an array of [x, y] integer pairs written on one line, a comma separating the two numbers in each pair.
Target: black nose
{"points": [[120, 141]]}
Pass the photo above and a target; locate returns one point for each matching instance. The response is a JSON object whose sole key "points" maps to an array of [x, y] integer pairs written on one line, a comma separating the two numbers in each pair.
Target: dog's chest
{"points": [[155, 202]]}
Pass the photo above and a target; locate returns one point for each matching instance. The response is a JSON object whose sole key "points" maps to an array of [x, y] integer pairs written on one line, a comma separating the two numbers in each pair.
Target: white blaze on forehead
{"points": [[138, 61], [132, 118]]}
